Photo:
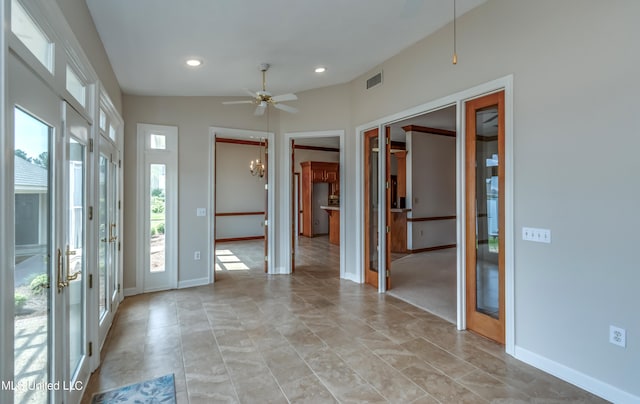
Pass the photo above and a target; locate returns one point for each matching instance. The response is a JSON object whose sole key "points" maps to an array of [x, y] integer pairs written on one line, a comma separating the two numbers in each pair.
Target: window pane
{"points": [[157, 217], [103, 120], [104, 232], [112, 133], [487, 274], [76, 87], [32, 264], [23, 26], [76, 255], [158, 142]]}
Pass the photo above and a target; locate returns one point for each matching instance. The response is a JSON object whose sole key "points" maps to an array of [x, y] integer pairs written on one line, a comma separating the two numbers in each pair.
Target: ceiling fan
{"points": [[263, 98]]}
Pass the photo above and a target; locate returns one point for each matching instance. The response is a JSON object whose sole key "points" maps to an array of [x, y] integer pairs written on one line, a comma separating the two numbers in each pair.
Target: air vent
{"points": [[374, 80]]}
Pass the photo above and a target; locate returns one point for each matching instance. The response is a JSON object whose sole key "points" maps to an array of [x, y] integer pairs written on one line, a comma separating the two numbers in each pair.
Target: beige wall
{"points": [[432, 191], [194, 116], [574, 65], [77, 15], [238, 191]]}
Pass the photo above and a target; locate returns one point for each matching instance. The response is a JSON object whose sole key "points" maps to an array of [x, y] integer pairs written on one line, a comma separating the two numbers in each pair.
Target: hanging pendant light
{"points": [[455, 54]]}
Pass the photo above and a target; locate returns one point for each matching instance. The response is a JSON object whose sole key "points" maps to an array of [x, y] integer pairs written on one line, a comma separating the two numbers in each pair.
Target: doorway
{"points": [[240, 230], [504, 84], [423, 208], [314, 210], [49, 274]]}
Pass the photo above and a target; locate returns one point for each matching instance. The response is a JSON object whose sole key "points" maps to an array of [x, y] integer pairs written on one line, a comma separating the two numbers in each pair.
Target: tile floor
{"points": [[309, 337]]}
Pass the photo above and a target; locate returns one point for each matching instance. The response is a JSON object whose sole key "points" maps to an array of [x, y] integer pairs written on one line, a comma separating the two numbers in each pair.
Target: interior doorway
{"points": [[240, 221], [315, 204], [423, 248]]}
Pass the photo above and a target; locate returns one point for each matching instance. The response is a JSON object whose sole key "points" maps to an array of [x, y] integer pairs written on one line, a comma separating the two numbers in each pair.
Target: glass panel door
{"points": [[371, 205], [33, 264], [108, 226], [485, 216], [76, 367]]}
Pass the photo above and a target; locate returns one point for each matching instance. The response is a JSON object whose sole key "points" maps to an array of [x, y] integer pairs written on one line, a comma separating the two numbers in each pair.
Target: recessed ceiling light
{"points": [[194, 62], [320, 69]]}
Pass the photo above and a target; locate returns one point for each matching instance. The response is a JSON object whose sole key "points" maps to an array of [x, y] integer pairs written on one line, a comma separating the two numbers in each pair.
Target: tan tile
{"points": [[438, 358], [490, 388], [307, 389], [389, 382], [309, 337], [441, 387]]}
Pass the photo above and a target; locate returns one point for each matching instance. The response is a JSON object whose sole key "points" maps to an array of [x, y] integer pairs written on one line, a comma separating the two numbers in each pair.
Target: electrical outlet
{"points": [[196, 255], [201, 212], [618, 336]]}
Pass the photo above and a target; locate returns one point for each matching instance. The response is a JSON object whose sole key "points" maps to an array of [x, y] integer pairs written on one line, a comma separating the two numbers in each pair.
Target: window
{"points": [[75, 87], [103, 120], [157, 142], [112, 133], [30, 34]]}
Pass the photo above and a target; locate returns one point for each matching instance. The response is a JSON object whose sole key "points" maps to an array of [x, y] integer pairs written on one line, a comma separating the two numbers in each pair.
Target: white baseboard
{"points": [[131, 292], [193, 282], [281, 270], [351, 277], [585, 382]]}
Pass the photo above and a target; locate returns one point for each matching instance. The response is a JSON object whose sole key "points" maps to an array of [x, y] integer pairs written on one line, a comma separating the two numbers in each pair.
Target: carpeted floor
{"points": [[427, 280]]}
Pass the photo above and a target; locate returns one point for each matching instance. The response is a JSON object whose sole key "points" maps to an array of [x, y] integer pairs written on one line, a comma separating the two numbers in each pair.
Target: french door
{"points": [[109, 245], [484, 221], [75, 254], [372, 202], [48, 278]]}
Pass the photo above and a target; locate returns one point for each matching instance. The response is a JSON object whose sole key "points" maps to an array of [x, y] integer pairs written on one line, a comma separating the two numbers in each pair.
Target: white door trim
{"points": [[271, 175], [504, 83], [285, 195]]}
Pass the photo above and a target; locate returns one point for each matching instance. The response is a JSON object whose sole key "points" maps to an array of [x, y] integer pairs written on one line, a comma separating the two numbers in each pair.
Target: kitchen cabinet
{"points": [[316, 172]]}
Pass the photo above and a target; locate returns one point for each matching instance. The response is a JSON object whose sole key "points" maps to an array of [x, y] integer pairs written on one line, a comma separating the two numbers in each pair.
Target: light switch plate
{"points": [[536, 235]]}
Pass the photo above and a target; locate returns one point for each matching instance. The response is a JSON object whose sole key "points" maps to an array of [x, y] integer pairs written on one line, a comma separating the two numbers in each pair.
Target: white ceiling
{"points": [[147, 41]]}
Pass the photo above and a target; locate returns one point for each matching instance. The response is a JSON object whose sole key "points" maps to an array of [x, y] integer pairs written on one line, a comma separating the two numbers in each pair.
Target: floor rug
{"points": [[159, 390]]}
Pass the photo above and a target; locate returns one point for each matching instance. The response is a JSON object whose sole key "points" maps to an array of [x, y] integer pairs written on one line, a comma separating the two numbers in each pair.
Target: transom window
{"points": [[76, 87], [30, 34]]}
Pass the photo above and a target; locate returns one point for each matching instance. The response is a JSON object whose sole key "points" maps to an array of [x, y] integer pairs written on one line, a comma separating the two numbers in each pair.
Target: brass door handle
{"points": [[73, 276], [61, 284]]}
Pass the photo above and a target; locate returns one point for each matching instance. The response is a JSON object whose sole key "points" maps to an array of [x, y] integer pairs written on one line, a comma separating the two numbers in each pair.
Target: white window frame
{"points": [[169, 157]]}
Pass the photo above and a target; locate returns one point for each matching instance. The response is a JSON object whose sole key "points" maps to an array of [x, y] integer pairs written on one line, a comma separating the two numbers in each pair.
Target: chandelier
{"points": [[256, 167]]}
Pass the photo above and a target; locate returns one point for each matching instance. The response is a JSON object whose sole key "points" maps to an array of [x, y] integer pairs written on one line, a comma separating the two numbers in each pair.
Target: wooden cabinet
{"points": [[314, 172]]}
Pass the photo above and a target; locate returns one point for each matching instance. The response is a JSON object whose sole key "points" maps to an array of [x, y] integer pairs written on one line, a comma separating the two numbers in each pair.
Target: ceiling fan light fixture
{"points": [[193, 62], [320, 69]]}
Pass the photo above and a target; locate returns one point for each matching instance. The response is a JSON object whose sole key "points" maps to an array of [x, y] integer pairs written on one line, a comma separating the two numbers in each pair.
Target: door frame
{"points": [[169, 158], [503, 83], [270, 169], [286, 190]]}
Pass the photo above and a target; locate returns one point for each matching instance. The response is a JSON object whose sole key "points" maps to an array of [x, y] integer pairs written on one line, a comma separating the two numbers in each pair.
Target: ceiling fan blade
{"points": [[260, 109], [237, 102], [284, 97], [286, 108]]}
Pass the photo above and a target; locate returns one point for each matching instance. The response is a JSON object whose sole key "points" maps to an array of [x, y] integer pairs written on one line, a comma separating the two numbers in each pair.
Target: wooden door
{"points": [[371, 204], [387, 215], [484, 216]]}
